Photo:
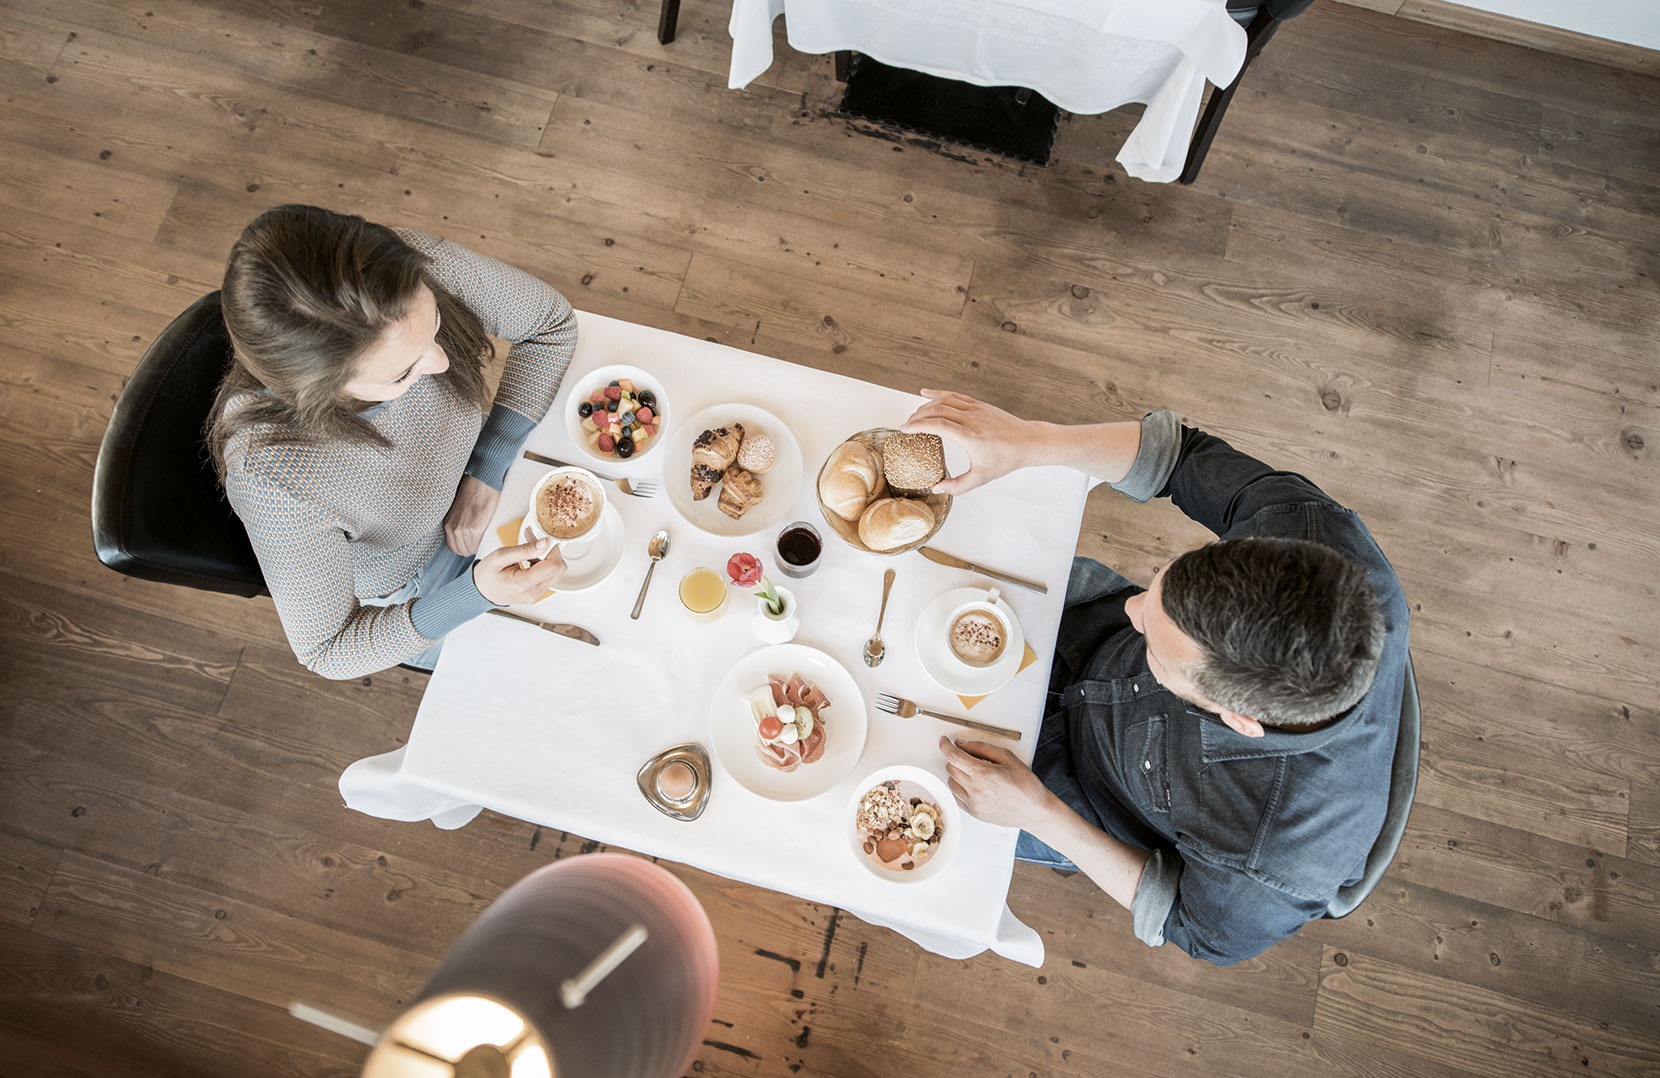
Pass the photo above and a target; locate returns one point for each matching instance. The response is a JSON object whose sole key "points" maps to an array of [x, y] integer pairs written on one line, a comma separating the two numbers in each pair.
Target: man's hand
{"points": [[474, 505], [995, 786], [997, 442], [500, 579]]}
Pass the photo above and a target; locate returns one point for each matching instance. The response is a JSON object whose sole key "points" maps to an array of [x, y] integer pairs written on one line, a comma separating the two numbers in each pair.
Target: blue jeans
{"points": [[444, 566], [1089, 579]]}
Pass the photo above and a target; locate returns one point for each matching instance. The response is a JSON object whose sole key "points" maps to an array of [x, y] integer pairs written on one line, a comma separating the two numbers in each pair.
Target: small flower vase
{"points": [[776, 628]]}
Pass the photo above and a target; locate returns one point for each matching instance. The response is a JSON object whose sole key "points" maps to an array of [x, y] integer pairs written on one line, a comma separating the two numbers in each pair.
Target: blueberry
{"points": [[613, 385], [610, 406], [625, 446], [585, 409], [647, 398], [628, 419]]}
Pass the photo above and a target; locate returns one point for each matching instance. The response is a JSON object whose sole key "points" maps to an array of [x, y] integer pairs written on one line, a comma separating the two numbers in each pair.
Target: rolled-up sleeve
{"points": [[1161, 445]]}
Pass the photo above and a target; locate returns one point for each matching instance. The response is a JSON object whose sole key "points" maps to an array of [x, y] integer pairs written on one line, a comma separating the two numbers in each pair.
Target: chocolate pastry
{"points": [[712, 453]]}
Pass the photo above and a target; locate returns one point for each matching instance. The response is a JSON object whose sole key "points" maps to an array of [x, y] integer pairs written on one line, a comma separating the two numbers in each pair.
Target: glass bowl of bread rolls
{"points": [[875, 490]]}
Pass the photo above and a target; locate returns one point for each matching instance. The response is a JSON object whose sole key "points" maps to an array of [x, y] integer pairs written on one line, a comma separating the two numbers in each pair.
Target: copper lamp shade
{"points": [[493, 1007]]}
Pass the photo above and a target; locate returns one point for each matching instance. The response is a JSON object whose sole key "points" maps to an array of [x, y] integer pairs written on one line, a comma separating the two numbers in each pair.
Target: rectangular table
{"points": [[1087, 56], [552, 731]]}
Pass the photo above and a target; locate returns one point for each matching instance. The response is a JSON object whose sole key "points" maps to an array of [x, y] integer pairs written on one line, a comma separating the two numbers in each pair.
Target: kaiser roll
{"points": [[851, 478], [893, 522]]}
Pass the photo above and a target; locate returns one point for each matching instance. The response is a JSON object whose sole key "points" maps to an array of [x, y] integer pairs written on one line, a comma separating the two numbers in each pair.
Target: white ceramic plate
{"points": [[780, 484], [593, 380], [732, 729], [934, 789], [599, 560], [942, 666]]}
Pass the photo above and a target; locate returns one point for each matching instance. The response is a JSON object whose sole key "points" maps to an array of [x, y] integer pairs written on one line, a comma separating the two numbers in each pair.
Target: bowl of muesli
{"points": [[904, 824]]}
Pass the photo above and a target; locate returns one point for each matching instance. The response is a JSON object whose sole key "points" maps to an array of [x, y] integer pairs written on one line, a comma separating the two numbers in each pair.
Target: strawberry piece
{"points": [[606, 443], [613, 393], [644, 414]]}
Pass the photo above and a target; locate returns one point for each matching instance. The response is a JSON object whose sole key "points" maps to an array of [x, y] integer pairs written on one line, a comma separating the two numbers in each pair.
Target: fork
{"points": [[898, 705], [638, 489]]}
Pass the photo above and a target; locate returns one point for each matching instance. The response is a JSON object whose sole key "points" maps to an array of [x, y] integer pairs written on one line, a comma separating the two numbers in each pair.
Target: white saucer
{"points": [[597, 562], [935, 652]]}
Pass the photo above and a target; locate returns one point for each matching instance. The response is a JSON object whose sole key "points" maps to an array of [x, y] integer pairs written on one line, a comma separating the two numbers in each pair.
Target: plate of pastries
{"points": [[875, 490], [732, 469]]}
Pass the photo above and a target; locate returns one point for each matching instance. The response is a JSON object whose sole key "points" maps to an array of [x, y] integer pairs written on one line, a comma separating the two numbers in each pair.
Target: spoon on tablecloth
{"points": [[659, 546], [874, 651]]}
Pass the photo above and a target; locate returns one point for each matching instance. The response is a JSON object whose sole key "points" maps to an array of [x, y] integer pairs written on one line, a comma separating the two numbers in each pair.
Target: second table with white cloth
{"points": [[1087, 56], [553, 731]]}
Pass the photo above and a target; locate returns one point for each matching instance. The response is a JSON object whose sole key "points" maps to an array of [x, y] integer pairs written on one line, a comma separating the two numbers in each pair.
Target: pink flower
{"points": [[745, 571]]}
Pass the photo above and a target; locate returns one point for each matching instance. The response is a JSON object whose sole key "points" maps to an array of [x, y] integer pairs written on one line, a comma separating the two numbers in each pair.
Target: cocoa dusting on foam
{"points": [[567, 507], [977, 638]]}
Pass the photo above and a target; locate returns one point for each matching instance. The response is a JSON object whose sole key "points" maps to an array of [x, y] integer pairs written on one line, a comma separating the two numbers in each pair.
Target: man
{"points": [[1217, 749]]}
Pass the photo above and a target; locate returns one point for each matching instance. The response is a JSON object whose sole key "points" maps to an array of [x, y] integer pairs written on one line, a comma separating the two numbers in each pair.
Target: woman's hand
{"points": [[500, 578], [470, 513], [994, 785], [997, 442]]}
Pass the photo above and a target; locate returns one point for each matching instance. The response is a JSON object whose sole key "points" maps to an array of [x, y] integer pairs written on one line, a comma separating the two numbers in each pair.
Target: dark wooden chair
{"points": [[1260, 21]]}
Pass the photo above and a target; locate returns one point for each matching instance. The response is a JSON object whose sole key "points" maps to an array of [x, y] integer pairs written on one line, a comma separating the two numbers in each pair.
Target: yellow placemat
{"points": [[509, 535], [1025, 660]]}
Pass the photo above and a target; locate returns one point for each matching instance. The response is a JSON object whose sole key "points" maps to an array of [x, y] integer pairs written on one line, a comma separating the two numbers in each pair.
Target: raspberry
{"points": [[613, 393], [644, 414], [607, 443]]}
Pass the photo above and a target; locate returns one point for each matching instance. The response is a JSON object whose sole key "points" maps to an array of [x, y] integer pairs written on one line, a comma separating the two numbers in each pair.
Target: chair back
{"points": [[157, 509], [1403, 785]]}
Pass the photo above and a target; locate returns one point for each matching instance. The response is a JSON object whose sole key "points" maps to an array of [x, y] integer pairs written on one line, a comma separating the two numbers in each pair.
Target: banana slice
{"points": [[922, 825], [919, 851]]}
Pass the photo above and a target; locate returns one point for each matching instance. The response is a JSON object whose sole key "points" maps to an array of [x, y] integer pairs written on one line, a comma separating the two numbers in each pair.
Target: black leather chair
{"points": [[1403, 786], [157, 510], [1260, 21]]}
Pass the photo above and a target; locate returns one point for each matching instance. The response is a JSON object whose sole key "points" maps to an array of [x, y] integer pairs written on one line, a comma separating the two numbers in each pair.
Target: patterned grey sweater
{"points": [[336, 523]]}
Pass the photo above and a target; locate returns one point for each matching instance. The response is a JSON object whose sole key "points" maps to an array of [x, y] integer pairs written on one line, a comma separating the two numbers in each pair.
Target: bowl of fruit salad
{"points": [[617, 413]]}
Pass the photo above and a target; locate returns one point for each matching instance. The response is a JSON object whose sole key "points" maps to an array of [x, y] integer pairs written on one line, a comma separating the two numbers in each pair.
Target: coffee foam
{"points": [[977, 637], [567, 507]]}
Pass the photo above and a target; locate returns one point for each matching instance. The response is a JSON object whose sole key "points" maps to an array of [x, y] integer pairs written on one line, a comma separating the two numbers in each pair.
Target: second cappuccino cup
{"points": [[977, 632]]}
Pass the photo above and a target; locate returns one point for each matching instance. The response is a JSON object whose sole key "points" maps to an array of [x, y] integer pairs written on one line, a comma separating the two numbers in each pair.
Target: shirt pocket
{"points": [[1149, 759]]}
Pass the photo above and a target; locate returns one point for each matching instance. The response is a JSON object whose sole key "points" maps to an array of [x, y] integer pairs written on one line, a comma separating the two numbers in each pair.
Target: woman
{"points": [[351, 437]]}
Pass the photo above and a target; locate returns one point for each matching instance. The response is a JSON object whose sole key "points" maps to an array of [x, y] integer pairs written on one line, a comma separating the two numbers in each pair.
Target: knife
{"points": [[958, 563], [575, 632]]}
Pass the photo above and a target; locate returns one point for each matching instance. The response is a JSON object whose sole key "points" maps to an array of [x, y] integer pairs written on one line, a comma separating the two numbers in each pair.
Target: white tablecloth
{"points": [[1086, 56], [552, 731]]}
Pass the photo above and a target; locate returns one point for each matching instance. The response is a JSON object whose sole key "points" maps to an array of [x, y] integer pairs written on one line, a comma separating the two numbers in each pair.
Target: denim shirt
{"points": [[1250, 836]]}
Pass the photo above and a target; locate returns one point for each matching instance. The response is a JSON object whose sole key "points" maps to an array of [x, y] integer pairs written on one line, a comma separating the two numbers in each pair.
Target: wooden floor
{"points": [[1419, 267]]}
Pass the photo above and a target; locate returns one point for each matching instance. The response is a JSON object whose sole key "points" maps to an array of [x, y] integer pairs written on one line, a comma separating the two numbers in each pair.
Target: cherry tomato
{"points": [[771, 727]]}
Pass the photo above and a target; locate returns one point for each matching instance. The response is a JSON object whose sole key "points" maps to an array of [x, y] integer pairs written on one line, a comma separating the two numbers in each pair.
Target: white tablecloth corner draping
{"points": [[1087, 56]]}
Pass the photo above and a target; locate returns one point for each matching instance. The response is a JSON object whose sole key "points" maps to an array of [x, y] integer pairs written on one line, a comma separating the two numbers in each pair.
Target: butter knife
{"points": [[958, 563], [575, 632]]}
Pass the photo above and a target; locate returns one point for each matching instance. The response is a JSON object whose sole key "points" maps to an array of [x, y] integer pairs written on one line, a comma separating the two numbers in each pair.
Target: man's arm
{"points": [[999, 443], [995, 786]]}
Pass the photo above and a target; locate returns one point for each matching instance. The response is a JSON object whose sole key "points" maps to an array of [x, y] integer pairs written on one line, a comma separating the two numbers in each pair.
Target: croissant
{"points": [[738, 491], [712, 453]]}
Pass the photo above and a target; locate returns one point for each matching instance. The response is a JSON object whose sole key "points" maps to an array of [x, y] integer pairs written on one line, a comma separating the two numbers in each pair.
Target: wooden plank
{"points": [[1431, 1017], [47, 631], [130, 1018], [1533, 35], [232, 946], [1498, 950], [88, 194], [1510, 867], [25, 868]]}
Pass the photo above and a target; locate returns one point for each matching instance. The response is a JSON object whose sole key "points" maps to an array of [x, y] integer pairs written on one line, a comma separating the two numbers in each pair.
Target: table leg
{"points": [[666, 20]]}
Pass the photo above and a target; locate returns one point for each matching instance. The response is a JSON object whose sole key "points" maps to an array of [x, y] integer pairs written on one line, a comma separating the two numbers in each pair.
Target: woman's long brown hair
{"points": [[306, 292]]}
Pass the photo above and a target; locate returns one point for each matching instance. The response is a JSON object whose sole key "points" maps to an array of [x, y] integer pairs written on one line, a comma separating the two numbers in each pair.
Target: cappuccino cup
{"points": [[566, 506], [977, 633]]}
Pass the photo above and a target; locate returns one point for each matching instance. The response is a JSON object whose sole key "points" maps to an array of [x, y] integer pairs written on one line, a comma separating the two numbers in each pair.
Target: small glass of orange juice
{"points": [[703, 594]]}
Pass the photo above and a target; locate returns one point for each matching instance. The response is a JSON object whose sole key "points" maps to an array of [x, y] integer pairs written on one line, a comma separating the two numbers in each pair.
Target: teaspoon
{"points": [[874, 651], [659, 546]]}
